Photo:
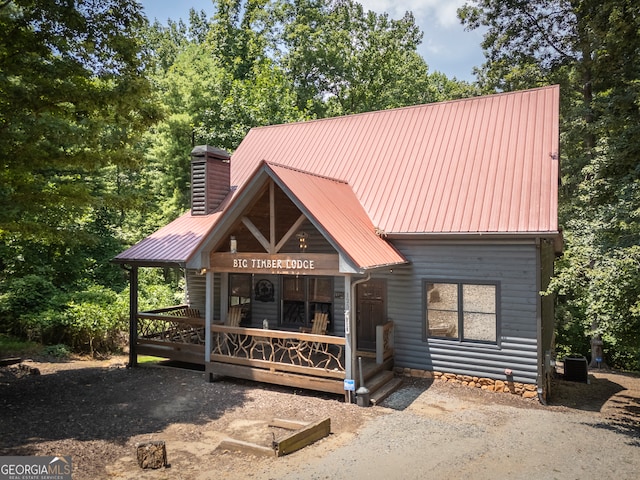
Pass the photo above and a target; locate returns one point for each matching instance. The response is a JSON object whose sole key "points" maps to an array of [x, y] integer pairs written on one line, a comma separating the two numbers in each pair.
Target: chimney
{"points": [[210, 178]]}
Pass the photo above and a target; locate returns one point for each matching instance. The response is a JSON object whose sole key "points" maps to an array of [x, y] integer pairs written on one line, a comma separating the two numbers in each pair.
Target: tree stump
{"points": [[152, 454]]}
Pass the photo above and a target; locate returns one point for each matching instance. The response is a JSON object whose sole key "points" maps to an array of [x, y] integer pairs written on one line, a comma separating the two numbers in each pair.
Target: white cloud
{"points": [[446, 46], [443, 11]]}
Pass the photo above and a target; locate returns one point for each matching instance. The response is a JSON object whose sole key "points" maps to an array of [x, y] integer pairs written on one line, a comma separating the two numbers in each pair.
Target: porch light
{"points": [[233, 245], [302, 239]]}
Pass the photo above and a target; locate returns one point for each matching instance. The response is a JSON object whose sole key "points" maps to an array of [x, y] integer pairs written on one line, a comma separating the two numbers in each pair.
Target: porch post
{"points": [[133, 316], [349, 331], [208, 316]]}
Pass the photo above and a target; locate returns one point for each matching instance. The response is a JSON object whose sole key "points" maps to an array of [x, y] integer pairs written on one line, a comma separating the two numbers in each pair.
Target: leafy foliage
{"points": [[591, 49], [343, 59], [99, 111]]}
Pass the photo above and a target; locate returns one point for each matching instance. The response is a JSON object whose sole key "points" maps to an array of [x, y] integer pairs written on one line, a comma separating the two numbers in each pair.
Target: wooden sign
{"points": [[279, 264]]}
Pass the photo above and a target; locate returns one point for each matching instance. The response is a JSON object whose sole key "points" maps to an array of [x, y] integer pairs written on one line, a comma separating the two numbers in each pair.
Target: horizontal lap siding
{"points": [[513, 266], [338, 306], [196, 287], [195, 290]]}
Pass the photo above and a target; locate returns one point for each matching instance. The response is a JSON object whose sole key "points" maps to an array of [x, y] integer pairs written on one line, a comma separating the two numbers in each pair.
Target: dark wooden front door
{"points": [[371, 311]]}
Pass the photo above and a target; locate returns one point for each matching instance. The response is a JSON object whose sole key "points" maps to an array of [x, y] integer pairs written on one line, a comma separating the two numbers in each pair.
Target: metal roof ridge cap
{"points": [[420, 105], [305, 172]]}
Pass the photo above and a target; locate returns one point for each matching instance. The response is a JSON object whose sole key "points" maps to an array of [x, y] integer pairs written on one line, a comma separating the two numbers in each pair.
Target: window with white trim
{"points": [[461, 311]]}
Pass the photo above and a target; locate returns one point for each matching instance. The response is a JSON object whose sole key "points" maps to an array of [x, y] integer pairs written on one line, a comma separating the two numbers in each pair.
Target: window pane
{"points": [[442, 296], [442, 309], [479, 298], [442, 323], [480, 326], [479, 312], [293, 288], [321, 289], [240, 285]]}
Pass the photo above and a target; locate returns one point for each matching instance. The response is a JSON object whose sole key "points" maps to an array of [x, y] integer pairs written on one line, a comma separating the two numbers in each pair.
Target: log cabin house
{"points": [[418, 237]]}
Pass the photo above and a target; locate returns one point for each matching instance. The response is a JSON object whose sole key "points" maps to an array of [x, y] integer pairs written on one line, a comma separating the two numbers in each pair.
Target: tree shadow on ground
{"points": [[622, 415], [111, 404], [589, 396], [608, 394]]}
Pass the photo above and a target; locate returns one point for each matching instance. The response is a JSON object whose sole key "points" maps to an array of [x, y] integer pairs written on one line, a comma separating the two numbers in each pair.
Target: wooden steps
{"points": [[379, 379], [386, 390]]}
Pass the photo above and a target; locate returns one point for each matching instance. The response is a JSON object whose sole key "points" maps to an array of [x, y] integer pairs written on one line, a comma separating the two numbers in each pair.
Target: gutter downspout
{"points": [[352, 322], [540, 378]]}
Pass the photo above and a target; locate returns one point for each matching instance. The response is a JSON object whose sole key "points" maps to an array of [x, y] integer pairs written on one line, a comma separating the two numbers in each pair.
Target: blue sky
{"points": [[446, 47]]}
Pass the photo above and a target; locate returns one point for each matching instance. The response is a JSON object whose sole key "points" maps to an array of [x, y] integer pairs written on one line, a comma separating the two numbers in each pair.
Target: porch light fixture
{"points": [[302, 239], [233, 245]]}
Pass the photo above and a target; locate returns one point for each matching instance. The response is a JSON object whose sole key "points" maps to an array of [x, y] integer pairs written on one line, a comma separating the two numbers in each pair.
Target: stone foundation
{"points": [[525, 390]]}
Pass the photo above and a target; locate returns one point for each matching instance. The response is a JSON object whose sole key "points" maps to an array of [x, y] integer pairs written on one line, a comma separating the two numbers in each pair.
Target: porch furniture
{"points": [[234, 317], [185, 332], [319, 324]]}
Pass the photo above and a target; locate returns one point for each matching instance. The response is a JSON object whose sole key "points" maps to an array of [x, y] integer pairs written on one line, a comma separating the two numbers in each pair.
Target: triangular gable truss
{"points": [[328, 204]]}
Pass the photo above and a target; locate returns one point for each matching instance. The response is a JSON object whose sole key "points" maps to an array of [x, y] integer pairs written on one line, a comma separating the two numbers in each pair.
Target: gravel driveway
{"points": [[442, 436], [97, 412]]}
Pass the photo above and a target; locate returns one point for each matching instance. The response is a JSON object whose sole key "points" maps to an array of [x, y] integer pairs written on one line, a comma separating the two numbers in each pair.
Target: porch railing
{"points": [[178, 332], [279, 351], [177, 324], [384, 341]]}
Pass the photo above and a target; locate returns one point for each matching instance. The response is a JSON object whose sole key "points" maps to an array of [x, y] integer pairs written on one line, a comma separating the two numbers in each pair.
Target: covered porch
{"points": [[284, 357], [285, 247]]}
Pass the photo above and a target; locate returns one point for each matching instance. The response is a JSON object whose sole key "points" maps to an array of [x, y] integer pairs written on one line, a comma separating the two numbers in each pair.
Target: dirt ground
{"points": [[97, 411]]}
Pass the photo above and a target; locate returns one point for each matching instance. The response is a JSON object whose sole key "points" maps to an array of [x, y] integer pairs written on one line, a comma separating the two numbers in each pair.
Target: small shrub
{"points": [[10, 346], [22, 297], [57, 351]]}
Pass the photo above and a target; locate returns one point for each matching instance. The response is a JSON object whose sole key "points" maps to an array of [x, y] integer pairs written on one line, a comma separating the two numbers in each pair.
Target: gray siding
{"points": [[338, 307], [196, 292], [316, 243], [196, 288], [513, 266]]}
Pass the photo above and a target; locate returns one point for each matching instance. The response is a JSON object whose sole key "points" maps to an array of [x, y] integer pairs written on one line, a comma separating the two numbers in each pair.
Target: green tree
{"points": [[345, 60], [74, 103], [593, 50], [213, 87]]}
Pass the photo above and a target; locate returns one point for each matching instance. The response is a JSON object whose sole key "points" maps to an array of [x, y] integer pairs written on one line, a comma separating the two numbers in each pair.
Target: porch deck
{"points": [[273, 356], [290, 358]]}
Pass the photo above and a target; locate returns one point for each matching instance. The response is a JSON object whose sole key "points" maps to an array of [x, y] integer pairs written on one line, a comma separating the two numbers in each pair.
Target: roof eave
{"points": [[124, 262], [476, 235]]}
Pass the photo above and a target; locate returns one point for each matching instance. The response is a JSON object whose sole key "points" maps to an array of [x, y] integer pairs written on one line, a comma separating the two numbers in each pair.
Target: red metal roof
{"points": [[479, 165], [336, 210], [173, 243]]}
